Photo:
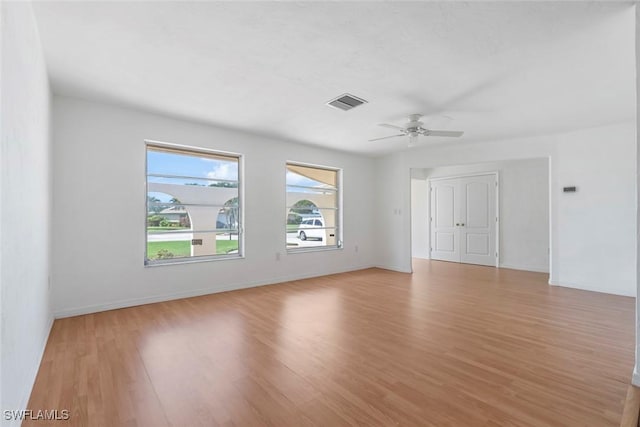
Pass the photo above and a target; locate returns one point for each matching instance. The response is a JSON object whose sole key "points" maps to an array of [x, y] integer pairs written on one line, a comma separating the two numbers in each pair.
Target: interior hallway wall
{"points": [[25, 205]]}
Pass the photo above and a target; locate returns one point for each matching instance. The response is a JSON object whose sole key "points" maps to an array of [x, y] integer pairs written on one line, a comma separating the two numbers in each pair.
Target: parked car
{"points": [[311, 228]]}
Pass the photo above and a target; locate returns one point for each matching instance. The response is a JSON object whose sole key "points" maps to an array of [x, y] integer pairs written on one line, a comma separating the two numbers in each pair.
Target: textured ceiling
{"points": [[494, 70]]}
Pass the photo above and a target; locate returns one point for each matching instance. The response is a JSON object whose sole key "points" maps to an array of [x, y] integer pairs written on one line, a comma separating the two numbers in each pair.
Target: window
{"points": [[194, 209], [313, 207]]}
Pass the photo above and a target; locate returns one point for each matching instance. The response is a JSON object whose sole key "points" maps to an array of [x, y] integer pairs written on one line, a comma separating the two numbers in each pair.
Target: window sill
{"points": [[191, 260], [313, 249]]}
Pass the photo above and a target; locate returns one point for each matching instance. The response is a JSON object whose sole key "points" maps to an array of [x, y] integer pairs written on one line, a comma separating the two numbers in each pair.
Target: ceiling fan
{"points": [[414, 128]]}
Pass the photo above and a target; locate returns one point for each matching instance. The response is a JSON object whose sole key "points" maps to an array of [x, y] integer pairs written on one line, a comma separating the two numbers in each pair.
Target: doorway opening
{"points": [[494, 214]]}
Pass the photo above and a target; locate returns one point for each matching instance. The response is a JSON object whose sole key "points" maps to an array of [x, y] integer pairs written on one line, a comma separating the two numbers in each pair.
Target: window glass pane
{"points": [[193, 181], [191, 164], [311, 176], [312, 207], [192, 204]]}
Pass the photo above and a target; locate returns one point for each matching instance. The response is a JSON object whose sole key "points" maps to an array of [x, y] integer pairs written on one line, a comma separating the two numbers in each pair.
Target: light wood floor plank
{"points": [[631, 408], [449, 345]]}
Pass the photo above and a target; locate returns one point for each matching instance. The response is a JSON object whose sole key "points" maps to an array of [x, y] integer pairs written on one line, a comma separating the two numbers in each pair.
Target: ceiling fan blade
{"points": [[455, 133], [386, 137], [384, 125]]}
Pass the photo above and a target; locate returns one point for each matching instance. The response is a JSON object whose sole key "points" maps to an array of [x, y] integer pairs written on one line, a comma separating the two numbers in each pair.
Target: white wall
{"points": [[593, 232], [25, 205], [523, 205], [99, 169], [595, 228], [420, 218]]}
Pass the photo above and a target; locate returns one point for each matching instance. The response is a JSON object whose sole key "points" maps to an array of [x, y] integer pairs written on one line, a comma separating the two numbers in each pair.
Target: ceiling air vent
{"points": [[346, 102]]}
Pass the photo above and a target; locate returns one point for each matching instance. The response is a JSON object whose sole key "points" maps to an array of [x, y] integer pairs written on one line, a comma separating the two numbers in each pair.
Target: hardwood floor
{"points": [[631, 409], [450, 345]]}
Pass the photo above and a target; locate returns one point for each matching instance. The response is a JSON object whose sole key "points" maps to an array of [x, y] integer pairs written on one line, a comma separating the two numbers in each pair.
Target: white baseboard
{"points": [[95, 308], [635, 378], [592, 288], [394, 268], [537, 269]]}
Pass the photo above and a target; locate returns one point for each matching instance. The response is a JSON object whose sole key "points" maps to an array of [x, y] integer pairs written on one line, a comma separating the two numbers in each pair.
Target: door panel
{"points": [[477, 205], [477, 244], [477, 235], [445, 205], [445, 241], [445, 235]]}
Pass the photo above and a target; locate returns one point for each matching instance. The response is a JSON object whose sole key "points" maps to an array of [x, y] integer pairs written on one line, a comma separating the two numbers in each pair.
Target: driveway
{"points": [[293, 241]]}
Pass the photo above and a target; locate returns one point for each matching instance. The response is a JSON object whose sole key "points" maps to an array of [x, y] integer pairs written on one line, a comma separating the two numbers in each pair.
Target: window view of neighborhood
{"points": [[312, 207], [192, 204]]}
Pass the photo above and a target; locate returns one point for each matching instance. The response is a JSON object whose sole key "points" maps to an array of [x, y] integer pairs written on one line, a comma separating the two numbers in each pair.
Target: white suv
{"points": [[311, 228]]}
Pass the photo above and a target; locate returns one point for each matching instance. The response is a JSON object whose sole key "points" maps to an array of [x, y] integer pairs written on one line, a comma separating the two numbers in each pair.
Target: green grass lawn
{"points": [[226, 246], [161, 229], [179, 248], [182, 248]]}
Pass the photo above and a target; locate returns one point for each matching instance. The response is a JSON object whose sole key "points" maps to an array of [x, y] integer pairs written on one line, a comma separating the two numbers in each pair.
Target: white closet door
{"points": [[445, 235], [478, 220], [463, 219]]}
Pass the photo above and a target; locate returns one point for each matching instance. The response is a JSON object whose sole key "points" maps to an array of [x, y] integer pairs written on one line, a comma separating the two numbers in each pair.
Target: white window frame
{"points": [[339, 215], [195, 151]]}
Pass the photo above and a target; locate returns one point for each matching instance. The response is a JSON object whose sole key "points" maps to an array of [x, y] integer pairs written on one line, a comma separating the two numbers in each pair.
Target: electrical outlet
{"points": [[277, 256], [356, 248]]}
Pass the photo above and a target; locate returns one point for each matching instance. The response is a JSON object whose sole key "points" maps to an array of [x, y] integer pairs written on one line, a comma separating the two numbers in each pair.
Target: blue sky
{"points": [[208, 169], [177, 164]]}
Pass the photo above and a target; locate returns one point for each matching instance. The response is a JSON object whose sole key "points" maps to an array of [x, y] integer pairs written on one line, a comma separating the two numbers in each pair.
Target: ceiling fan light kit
{"points": [[414, 128]]}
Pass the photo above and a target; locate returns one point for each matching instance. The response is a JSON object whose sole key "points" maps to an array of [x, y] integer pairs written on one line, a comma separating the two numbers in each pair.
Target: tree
{"points": [[301, 207], [230, 210], [155, 220], [304, 207], [224, 184], [153, 208], [177, 203]]}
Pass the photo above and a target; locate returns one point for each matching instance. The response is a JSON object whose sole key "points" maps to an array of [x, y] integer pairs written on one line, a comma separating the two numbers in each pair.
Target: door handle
{"points": [[462, 225], [457, 224]]}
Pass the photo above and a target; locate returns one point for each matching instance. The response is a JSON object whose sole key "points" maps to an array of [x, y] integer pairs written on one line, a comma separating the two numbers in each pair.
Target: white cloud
{"points": [[224, 171]]}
